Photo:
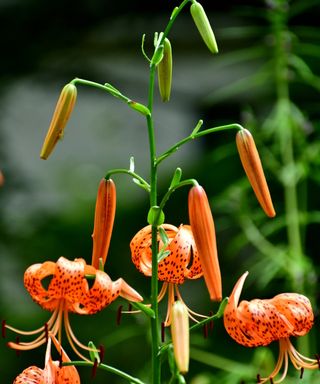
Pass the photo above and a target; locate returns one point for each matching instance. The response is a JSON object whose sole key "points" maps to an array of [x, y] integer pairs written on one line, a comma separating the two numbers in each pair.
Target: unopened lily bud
{"points": [[251, 163], [202, 23], [1, 179], [59, 120], [203, 230], [180, 335], [165, 72], [103, 221]]}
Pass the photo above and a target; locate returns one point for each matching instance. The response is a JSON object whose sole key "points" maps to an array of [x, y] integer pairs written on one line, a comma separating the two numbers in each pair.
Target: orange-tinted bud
{"points": [[252, 165], [180, 335], [203, 230], [59, 120], [1, 179], [103, 221]]}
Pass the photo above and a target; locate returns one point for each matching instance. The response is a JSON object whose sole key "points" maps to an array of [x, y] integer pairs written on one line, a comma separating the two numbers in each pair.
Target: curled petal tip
{"points": [[251, 163]]}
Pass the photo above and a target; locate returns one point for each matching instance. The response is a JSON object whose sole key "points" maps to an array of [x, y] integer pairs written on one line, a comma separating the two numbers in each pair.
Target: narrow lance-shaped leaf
{"points": [[251, 163]]}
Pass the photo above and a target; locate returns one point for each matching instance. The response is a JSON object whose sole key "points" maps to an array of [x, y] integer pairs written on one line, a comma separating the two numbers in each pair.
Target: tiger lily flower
{"points": [[61, 115], [52, 372], [69, 291], [181, 263], [203, 230], [251, 163], [103, 221], [259, 322]]}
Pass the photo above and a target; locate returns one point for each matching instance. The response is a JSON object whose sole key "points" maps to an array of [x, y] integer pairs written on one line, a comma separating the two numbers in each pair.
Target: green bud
{"points": [[139, 107], [202, 23], [165, 71], [155, 216]]}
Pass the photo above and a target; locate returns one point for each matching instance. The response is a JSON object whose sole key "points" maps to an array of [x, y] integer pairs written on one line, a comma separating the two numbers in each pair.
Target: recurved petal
{"points": [[59, 120], [251, 163], [32, 281], [140, 246], [68, 281], [103, 221], [297, 310], [31, 375], [203, 230]]}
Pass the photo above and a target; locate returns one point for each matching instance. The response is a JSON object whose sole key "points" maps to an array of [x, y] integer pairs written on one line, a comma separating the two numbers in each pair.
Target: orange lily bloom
{"points": [[203, 230], [69, 291], [59, 120], [251, 163], [103, 221], [181, 263], [52, 372], [259, 322]]}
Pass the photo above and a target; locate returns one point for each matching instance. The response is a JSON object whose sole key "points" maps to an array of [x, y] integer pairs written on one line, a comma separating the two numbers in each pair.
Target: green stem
{"points": [[105, 367], [172, 189], [193, 136]]}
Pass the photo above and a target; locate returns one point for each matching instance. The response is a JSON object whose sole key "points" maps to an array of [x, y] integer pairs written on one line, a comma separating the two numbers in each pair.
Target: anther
{"points": [[205, 331], [101, 352], [258, 378], [60, 360], [94, 368], [162, 332], [301, 372], [271, 380], [129, 307], [3, 328], [119, 313], [211, 322], [46, 330], [318, 360]]}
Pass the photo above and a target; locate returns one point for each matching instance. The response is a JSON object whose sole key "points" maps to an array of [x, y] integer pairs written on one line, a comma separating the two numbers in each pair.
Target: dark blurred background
{"points": [[47, 207]]}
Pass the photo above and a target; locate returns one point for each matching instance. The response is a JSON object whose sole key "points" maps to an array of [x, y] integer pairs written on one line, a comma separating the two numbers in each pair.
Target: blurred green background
{"points": [[266, 77]]}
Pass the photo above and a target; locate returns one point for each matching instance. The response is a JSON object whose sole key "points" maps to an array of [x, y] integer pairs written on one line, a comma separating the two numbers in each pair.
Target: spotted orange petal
{"points": [[69, 283], [31, 375], [254, 323], [182, 262], [297, 309]]}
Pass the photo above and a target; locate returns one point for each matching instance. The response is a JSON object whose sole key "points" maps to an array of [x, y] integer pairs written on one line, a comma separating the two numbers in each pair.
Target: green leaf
{"points": [[145, 309]]}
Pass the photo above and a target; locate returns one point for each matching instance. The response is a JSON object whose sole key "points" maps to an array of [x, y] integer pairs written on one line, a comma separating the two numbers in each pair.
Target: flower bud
{"points": [[180, 335], [251, 163], [59, 120], [203, 230], [165, 72], [103, 221], [1, 179], [202, 23]]}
